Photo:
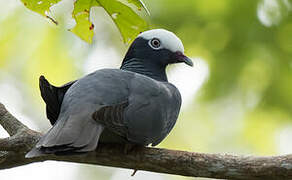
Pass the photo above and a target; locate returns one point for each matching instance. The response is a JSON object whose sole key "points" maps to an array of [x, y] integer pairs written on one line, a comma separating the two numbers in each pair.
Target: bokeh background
{"points": [[236, 99]]}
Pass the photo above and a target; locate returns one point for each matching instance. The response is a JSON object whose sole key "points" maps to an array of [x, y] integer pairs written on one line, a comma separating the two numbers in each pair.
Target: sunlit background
{"points": [[236, 99]]}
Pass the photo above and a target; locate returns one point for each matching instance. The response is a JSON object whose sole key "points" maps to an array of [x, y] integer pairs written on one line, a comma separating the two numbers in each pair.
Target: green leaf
{"points": [[129, 23]]}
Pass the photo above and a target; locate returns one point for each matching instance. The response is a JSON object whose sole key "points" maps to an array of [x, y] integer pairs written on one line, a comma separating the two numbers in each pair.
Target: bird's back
{"points": [[102, 87]]}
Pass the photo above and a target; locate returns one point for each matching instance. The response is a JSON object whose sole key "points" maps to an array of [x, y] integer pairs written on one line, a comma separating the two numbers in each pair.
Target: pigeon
{"points": [[134, 104]]}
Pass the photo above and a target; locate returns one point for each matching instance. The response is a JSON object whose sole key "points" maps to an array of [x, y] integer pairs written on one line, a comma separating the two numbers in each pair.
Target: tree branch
{"points": [[14, 148], [9, 122]]}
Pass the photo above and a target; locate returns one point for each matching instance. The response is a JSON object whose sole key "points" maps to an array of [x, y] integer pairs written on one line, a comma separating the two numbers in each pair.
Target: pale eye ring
{"points": [[155, 43]]}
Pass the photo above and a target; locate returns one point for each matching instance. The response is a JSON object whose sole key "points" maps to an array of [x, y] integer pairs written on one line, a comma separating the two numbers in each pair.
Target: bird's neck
{"points": [[142, 67]]}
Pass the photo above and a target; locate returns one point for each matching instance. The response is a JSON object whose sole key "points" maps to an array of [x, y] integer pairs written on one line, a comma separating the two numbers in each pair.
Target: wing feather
{"points": [[112, 117]]}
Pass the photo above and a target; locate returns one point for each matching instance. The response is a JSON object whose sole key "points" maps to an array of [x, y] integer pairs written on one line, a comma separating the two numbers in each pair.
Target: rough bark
{"points": [[22, 139]]}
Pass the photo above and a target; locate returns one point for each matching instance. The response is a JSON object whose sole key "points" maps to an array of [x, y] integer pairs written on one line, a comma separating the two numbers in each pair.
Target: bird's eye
{"points": [[155, 43]]}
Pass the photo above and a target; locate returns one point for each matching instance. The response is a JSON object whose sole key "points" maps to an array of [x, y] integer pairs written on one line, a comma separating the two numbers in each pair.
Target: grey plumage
{"points": [[110, 105]]}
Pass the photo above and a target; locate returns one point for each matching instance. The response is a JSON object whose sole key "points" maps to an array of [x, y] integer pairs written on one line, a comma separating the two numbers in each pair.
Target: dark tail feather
{"points": [[53, 97], [49, 94]]}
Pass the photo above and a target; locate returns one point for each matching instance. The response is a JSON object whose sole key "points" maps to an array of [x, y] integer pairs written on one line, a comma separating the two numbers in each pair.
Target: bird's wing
{"points": [[138, 109], [53, 97], [112, 117]]}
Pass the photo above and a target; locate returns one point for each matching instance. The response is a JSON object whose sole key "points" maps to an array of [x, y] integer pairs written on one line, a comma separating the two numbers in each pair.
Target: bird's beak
{"points": [[183, 58]]}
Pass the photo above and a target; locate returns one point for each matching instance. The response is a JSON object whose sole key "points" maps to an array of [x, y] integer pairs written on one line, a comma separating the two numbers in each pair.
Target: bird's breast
{"points": [[151, 116]]}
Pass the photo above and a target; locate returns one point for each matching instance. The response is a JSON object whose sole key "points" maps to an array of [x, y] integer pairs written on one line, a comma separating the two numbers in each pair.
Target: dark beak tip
{"points": [[188, 61], [183, 58]]}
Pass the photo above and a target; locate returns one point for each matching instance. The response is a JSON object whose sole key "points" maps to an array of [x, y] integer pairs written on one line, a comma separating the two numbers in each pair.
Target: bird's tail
{"points": [[49, 94], [53, 97], [70, 136]]}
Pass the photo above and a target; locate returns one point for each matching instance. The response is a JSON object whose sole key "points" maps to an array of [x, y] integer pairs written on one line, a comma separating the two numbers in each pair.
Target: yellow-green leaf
{"points": [[40, 6], [83, 28]]}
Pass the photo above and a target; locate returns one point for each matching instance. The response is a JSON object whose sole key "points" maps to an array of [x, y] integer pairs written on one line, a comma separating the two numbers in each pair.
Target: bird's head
{"points": [[158, 47]]}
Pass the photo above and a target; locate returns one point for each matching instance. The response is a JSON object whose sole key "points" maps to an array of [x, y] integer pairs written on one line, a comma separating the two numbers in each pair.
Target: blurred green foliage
{"points": [[242, 53], [246, 101], [249, 62]]}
